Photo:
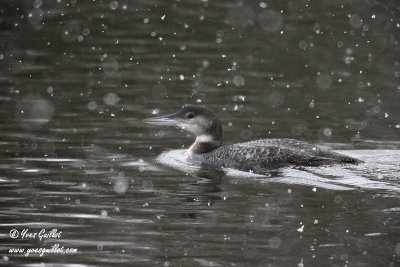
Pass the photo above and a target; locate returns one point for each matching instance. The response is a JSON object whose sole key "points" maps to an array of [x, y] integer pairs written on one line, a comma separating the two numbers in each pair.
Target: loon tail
{"points": [[318, 161], [346, 159]]}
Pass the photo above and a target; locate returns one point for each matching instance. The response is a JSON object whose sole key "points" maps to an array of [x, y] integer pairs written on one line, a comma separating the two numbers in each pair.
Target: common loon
{"points": [[256, 156]]}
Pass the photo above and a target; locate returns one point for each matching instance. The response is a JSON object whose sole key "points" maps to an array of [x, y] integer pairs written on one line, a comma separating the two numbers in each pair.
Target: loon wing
{"points": [[254, 158], [321, 154], [265, 154]]}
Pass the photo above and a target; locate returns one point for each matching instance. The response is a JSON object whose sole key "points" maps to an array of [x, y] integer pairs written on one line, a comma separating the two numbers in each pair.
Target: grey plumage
{"points": [[265, 154]]}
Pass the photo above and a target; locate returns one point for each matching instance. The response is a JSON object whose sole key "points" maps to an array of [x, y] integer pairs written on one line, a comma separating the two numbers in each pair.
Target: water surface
{"points": [[77, 78]]}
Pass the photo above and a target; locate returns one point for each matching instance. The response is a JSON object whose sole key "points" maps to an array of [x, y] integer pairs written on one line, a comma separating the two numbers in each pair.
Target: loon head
{"points": [[198, 120]]}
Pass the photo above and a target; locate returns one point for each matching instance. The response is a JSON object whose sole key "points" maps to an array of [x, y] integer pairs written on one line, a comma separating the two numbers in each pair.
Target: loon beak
{"points": [[162, 121]]}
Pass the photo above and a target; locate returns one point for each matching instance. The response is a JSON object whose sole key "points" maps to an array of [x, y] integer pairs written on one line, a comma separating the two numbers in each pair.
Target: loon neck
{"points": [[204, 144]]}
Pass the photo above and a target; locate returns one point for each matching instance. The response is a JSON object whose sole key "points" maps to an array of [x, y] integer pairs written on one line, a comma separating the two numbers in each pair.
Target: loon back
{"points": [[265, 154]]}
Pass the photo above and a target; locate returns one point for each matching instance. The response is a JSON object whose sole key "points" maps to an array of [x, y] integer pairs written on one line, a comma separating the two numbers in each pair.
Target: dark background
{"points": [[77, 78]]}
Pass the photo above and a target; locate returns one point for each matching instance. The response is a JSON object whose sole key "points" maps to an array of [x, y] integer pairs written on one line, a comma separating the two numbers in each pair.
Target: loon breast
{"points": [[265, 154]]}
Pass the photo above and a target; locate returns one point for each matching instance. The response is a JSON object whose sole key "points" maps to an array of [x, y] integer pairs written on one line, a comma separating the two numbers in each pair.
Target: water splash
{"points": [[377, 173]]}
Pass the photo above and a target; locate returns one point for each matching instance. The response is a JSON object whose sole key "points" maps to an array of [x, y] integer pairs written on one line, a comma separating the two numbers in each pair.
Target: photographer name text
{"points": [[40, 235]]}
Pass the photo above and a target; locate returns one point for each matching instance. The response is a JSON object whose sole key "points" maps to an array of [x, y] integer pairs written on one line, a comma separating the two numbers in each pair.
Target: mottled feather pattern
{"points": [[265, 154]]}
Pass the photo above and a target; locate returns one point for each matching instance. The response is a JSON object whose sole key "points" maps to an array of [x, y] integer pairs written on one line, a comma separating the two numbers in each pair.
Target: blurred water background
{"points": [[77, 78]]}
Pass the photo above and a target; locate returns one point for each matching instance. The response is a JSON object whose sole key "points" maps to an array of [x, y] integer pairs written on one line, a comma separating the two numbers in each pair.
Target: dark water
{"points": [[77, 78]]}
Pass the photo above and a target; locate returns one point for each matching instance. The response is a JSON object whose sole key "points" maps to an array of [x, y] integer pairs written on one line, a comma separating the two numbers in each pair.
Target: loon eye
{"points": [[190, 115]]}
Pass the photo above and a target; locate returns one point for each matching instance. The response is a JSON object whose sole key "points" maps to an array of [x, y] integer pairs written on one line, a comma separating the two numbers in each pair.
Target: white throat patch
{"points": [[204, 138]]}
